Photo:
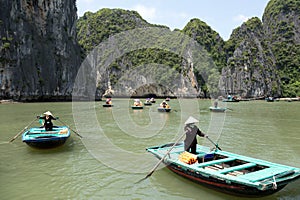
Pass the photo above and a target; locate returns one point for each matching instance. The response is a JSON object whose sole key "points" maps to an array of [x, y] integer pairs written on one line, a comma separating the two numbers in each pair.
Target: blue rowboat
{"points": [[40, 138], [225, 171], [217, 109]]}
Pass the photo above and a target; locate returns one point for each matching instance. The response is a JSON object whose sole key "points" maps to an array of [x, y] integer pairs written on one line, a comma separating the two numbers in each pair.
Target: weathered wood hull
{"points": [[222, 185], [227, 172]]}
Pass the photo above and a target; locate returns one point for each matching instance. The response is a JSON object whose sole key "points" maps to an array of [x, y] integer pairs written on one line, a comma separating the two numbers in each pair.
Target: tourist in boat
{"points": [[216, 104], [108, 101], [164, 104], [191, 131], [48, 117]]}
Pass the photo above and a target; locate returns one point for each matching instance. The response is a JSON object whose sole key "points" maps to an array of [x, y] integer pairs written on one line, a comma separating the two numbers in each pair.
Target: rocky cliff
{"points": [[250, 70], [38, 49]]}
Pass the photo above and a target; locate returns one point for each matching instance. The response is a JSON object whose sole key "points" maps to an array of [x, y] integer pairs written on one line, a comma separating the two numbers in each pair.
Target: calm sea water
{"points": [[111, 157]]}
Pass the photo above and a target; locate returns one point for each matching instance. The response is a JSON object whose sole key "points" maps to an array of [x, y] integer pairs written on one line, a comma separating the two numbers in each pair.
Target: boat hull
{"points": [[218, 109], [164, 109], [137, 107], [226, 172], [39, 138], [107, 105], [222, 186]]}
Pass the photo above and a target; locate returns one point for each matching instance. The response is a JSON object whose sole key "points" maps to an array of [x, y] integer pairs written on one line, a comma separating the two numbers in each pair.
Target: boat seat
{"points": [[262, 174], [205, 164], [236, 168]]}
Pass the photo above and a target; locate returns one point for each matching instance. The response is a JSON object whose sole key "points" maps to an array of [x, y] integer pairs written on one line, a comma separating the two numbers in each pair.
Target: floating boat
{"points": [[137, 107], [167, 99], [269, 99], [217, 109], [148, 102], [107, 105], [162, 109], [225, 171], [152, 100], [40, 138], [231, 99]]}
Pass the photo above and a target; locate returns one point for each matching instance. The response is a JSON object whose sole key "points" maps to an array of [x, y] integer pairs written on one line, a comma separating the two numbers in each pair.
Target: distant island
{"points": [[43, 45]]}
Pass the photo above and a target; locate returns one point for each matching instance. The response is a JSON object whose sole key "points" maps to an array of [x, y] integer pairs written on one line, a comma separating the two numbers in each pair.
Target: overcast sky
{"points": [[221, 15]]}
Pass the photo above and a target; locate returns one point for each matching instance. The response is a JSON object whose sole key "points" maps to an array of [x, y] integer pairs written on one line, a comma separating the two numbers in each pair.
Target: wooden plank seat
{"points": [[236, 168], [205, 164]]}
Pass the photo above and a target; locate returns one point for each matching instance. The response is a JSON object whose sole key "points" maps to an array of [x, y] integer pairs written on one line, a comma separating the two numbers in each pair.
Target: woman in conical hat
{"points": [[47, 120], [191, 131]]}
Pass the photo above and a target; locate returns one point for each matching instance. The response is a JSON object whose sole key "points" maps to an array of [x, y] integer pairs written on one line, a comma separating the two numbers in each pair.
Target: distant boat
{"points": [[40, 138], [162, 109], [269, 99], [152, 100], [147, 102], [217, 109], [225, 171], [231, 99], [137, 104], [137, 107], [107, 105], [167, 99]]}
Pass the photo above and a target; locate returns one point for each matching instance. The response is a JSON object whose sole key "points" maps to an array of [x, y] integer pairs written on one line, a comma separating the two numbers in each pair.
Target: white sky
{"points": [[221, 15]]}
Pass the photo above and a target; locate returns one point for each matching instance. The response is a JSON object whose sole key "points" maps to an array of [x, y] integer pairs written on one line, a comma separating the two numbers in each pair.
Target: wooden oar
{"points": [[157, 164], [213, 143], [70, 128], [21, 131]]}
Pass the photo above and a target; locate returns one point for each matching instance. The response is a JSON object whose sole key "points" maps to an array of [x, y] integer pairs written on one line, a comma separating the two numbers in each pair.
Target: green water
{"points": [[110, 158]]}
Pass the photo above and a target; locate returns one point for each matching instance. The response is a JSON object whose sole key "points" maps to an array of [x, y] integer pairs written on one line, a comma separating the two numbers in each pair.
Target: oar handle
{"points": [[213, 143]]}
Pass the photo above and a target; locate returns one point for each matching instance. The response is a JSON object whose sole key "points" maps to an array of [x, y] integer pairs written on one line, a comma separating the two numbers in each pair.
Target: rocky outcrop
{"points": [[38, 49], [251, 65]]}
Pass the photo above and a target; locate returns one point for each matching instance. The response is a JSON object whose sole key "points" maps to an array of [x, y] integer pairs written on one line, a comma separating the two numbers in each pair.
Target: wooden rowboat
{"points": [[40, 138], [217, 109], [225, 171]]}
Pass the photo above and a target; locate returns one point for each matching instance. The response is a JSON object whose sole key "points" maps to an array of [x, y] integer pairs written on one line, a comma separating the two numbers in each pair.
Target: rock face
{"points": [[251, 65], [38, 49]]}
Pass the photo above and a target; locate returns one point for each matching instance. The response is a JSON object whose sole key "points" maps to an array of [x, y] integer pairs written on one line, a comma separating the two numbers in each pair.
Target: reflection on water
{"points": [[259, 129]]}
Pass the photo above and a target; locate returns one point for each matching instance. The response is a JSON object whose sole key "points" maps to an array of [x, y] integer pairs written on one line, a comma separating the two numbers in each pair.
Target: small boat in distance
{"points": [[164, 107], [152, 100], [231, 99], [38, 137], [108, 103], [217, 109], [137, 104], [148, 102], [167, 99], [225, 171]]}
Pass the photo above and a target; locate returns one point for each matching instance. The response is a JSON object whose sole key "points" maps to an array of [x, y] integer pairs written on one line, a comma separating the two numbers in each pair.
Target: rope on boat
{"points": [[274, 183]]}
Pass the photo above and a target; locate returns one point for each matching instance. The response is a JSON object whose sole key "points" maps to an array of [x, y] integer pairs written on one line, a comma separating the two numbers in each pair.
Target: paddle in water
{"points": [[160, 161], [16, 136]]}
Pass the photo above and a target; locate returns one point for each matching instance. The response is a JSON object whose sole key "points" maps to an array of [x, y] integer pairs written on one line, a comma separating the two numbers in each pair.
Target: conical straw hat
{"points": [[48, 113], [191, 120]]}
